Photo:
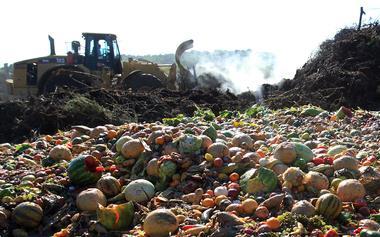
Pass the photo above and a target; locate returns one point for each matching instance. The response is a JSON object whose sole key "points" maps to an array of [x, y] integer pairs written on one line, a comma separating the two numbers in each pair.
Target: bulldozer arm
{"points": [[185, 79]]}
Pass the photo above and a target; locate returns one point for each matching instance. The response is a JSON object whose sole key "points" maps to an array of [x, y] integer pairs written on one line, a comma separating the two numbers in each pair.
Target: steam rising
{"points": [[237, 71]]}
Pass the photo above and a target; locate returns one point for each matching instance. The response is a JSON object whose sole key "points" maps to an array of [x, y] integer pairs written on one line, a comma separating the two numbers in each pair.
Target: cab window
{"points": [[116, 51], [103, 49]]}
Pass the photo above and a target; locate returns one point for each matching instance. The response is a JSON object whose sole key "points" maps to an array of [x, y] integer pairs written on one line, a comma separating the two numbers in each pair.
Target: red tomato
{"points": [[331, 233], [318, 161], [329, 160]]}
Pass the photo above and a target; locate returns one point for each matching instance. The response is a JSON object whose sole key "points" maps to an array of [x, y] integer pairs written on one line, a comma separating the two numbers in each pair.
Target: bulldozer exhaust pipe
{"points": [[52, 47]]}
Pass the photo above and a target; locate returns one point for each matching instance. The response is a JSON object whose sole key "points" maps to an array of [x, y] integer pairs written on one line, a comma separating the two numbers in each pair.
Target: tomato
{"points": [[331, 233], [318, 161], [329, 160]]}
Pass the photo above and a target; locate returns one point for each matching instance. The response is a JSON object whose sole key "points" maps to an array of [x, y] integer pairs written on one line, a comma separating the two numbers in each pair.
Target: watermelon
{"points": [[27, 214], [83, 170], [329, 205]]}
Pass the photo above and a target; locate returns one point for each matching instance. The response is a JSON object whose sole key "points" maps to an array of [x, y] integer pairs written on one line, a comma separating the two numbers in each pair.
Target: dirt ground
{"points": [[47, 114]]}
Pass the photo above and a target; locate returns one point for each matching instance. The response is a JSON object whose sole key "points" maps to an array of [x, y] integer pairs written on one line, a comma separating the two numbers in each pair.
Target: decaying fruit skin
{"points": [[329, 205], [350, 189], [160, 223], [116, 217], [109, 185], [27, 214]]}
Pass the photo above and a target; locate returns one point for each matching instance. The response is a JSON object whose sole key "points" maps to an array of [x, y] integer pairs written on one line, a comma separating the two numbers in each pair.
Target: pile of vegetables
{"points": [[297, 171]]}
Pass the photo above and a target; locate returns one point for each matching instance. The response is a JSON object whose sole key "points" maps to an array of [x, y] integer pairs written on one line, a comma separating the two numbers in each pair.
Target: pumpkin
{"points": [[243, 141], [109, 185], [60, 152], [82, 170], [285, 152], [132, 148], [316, 181], [303, 152], [258, 180], [88, 199], [139, 190], [116, 217], [27, 214], [350, 189], [329, 205], [121, 141], [293, 176], [218, 149], [160, 223], [346, 162], [303, 208]]}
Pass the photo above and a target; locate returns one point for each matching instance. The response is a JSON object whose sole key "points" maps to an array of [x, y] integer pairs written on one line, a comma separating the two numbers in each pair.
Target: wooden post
{"points": [[360, 18]]}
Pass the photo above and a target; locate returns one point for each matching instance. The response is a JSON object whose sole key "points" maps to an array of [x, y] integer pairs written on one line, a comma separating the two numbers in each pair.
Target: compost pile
{"points": [[295, 172], [47, 114], [345, 72]]}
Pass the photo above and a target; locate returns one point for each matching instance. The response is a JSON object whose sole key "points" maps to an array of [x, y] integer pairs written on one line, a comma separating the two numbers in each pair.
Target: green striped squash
{"points": [[329, 205], [27, 214], [82, 170]]}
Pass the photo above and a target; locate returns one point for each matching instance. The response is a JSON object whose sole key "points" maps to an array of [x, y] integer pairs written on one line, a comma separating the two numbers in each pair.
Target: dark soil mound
{"points": [[60, 110], [345, 71]]}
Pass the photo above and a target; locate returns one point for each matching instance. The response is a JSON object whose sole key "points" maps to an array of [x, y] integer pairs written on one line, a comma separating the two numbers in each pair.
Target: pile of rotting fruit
{"points": [[344, 72], [290, 172]]}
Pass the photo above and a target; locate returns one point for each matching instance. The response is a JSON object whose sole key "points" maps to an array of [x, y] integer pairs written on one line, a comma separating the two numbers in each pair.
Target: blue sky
{"points": [[291, 30]]}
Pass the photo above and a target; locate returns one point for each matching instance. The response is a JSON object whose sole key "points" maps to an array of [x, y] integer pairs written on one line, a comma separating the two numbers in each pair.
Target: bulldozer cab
{"points": [[102, 50]]}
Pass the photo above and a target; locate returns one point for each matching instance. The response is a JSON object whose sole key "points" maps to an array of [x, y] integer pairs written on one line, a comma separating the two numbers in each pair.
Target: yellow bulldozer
{"points": [[100, 66]]}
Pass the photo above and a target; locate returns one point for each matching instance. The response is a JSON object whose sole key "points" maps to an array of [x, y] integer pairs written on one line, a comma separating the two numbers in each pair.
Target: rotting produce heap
{"points": [[344, 72], [268, 173]]}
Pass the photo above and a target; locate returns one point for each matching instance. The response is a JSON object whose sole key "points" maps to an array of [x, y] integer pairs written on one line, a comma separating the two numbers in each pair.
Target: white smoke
{"points": [[239, 71]]}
